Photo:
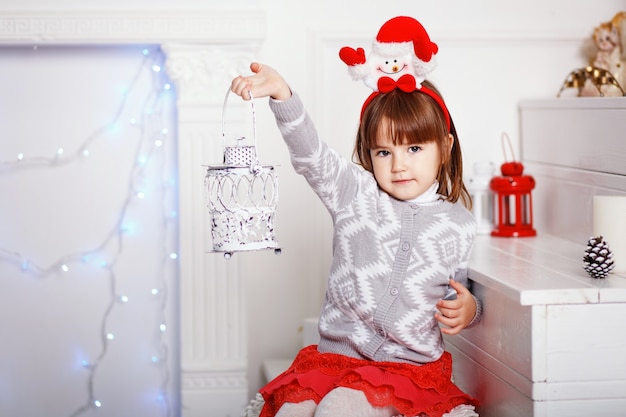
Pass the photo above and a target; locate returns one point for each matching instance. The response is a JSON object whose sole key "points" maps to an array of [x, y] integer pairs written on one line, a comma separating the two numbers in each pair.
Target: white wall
{"points": [[492, 55]]}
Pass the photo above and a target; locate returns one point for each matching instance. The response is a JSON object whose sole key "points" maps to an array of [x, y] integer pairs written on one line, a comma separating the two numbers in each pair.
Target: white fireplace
{"points": [[204, 50]]}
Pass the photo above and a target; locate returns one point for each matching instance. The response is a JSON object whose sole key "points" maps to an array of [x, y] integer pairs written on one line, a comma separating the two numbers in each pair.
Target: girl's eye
{"points": [[414, 149], [382, 153]]}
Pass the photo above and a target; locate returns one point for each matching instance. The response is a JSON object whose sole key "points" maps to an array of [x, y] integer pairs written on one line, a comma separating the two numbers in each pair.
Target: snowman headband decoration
{"points": [[402, 56]]}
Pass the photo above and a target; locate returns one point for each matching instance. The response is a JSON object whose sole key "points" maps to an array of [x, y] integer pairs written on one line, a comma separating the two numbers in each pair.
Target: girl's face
{"points": [[405, 171]]}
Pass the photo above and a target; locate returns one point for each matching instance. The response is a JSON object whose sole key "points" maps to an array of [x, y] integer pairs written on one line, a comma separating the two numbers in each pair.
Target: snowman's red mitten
{"points": [[352, 56]]}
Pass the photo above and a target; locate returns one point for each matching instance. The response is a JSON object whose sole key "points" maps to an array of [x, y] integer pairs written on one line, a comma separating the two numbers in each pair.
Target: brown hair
{"points": [[414, 118]]}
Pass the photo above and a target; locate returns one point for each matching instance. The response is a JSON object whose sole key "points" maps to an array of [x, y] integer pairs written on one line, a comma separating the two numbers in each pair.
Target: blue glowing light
{"points": [[128, 228], [114, 128]]}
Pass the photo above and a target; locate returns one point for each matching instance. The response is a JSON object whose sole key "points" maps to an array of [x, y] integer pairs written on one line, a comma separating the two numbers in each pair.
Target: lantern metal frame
{"points": [[242, 197]]}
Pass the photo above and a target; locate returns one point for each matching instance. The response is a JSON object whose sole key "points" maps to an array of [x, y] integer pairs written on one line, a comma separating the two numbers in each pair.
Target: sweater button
{"points": [[406, 246], [394, 291]]}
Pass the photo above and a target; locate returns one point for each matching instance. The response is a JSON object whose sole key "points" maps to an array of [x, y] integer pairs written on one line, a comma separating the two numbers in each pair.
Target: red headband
{"points": [[407, 84]]}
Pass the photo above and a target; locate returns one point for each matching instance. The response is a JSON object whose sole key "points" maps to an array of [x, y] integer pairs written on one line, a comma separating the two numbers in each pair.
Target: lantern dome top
{"points": [[511, 169]]}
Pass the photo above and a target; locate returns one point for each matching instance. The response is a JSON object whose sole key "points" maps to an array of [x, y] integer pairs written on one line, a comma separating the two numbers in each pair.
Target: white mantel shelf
{"points": [[132, 26], [541, 270], [576, 103]]}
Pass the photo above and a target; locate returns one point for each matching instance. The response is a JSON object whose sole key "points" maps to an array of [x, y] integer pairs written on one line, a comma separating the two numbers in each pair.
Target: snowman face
{"points": [[393, 66]]}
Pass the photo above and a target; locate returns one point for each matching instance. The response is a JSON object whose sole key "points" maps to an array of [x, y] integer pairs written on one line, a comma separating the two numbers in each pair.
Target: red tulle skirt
{"points": [[412, 389]]}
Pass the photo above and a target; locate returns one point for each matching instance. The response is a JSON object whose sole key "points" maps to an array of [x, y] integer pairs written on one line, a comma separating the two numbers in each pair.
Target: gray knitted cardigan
{"points": [[391, 259]]}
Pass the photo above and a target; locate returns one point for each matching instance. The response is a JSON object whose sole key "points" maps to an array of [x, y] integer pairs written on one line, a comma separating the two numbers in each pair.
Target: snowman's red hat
{"points": [[401, 34]]}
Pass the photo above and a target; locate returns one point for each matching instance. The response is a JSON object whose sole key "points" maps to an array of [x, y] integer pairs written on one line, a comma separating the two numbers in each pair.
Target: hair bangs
{"points": [[414, 121]]}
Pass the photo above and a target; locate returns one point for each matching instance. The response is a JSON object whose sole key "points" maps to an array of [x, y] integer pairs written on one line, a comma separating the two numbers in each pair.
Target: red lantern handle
{"points": [[513, 168], [507, 140]]}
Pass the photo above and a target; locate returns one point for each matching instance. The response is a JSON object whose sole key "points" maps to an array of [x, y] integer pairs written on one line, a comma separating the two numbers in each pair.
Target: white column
{"points": [[212, 306]]}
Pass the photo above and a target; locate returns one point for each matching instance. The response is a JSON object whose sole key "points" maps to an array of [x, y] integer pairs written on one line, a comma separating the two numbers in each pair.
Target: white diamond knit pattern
{"points": [[391, 259]]}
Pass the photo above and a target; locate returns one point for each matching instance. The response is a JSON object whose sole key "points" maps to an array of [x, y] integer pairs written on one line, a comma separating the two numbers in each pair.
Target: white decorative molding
{"points": [[126, 27], [204, 51], [203, 72]]}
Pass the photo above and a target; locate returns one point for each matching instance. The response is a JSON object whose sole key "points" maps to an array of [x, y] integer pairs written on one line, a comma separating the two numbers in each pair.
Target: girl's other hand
{"points": [[455, 315]]}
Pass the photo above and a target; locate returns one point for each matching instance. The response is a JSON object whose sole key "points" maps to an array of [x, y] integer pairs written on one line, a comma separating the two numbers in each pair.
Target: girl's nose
{"points": [[398, 164]]}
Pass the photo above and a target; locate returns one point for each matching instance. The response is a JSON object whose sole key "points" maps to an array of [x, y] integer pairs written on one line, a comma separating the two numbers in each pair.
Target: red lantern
{"points": [[513, 202]]}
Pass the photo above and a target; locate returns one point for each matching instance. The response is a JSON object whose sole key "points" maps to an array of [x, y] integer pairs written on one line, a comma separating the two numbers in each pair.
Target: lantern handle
{"points": [[507, 140], [253, 120]]}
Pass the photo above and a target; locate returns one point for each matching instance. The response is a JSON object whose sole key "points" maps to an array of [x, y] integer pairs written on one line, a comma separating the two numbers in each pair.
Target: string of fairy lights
{"points": [[152, 153]]}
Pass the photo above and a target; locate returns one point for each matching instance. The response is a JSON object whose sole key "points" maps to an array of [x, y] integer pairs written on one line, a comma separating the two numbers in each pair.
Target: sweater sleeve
{"points": [[333, 178]]}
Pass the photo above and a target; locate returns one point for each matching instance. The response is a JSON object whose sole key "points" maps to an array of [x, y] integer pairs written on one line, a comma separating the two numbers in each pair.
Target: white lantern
{"points": [[482, 196], [242, 197]]}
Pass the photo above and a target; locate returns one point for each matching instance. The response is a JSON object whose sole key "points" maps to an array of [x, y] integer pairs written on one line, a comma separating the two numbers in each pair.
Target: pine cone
{"points": [[598, 258]]}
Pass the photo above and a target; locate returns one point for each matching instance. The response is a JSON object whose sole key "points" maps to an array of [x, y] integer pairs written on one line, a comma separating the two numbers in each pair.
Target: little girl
{"points": [[402, 239]]}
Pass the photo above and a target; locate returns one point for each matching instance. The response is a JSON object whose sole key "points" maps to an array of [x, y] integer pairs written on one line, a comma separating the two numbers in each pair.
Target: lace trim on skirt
{"points": [[412, 389]]}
